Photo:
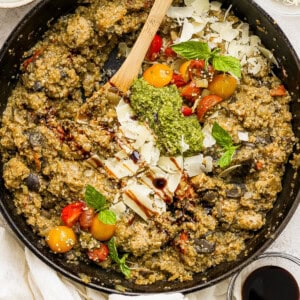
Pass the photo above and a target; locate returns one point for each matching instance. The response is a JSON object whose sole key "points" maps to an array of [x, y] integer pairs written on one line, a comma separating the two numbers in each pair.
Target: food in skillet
{"points": [[168, 180]]}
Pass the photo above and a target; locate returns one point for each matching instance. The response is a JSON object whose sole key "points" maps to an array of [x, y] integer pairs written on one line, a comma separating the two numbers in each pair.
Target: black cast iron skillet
{"points": [[31, 29]]}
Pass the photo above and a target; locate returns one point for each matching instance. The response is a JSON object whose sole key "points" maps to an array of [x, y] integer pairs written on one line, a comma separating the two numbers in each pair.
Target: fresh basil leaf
{"points": [[193, 50], [226, 158], [94, 199], [221, 136], [227, 64], [123, 267], [113, 253], [107, 217]]}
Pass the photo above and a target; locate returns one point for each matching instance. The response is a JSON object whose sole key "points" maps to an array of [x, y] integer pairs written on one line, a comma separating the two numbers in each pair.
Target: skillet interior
{"points": [[25, 36]]}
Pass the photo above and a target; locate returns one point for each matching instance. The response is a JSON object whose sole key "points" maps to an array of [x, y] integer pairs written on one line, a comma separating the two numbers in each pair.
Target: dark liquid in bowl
{"points": [[270, 283]]}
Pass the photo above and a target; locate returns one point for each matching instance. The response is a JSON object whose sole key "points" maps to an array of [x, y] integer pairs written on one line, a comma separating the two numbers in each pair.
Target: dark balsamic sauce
{"points": [[159, 183], [270, 283]]}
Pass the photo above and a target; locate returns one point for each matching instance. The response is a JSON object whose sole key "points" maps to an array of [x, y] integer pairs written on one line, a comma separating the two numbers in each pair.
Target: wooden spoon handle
{"points": [[131, 66]]}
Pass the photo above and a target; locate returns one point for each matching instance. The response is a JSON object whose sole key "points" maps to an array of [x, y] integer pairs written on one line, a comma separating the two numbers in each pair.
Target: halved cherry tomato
{"points": [[195, 68], [190, 91], [184, 70], [223, 85], [158, 75], [101, 231], [278, 91], [99, 254], [178, 80], [186, 111], [61, 239], [169, 52], [71, 213], [86, 218], [154, 48], [207, 103]]}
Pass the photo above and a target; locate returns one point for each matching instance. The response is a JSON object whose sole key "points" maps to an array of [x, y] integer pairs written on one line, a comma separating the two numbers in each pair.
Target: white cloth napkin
{"points": [[23, 276]]}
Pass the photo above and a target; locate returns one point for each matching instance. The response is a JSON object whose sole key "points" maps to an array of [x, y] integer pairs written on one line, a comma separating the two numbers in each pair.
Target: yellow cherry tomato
{"points": [[158, 75], [61, 239], [101, 231], [223, 85], [184, 70]]}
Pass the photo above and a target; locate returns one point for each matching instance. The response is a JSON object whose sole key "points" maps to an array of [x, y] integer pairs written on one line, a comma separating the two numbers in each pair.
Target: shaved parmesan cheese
{"points": [[187, 32], [133, 130], [184, 145], [196, 165], [208, 140], [193, 165], [140, 199], [150, 153], [124, 112], [269, 55], [120, 168], [227, 33], [253, 65], [243, 136], [171, 164], [200, 6], [180, 12], [119, 209], [215, 5]]}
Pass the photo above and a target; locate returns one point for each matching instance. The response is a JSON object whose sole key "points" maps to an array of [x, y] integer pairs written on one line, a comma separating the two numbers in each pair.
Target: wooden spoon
{"points": [[129, 70], [123, 78]]}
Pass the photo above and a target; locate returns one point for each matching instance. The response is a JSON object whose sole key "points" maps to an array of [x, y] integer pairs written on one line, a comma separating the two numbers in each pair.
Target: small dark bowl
{"points": [[31, 29]]}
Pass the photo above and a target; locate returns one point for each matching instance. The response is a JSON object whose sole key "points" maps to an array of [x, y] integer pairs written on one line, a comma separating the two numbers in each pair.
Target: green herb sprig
{"points": [[224, 140], [113, 253], [201, 50], [96, 200]]}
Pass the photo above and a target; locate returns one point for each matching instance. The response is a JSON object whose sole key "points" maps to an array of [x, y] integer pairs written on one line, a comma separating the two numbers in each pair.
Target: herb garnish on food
{"points": [[224, 140], [96, 200], [201, 50], [113, 253]]}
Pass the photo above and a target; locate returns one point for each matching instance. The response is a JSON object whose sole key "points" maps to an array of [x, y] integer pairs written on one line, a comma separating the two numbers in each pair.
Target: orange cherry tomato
{"points": [[207, 103], [99, 254], [190, 91], [101, 231], [223, 85], [158, 75], [61, 239], [184, 70]]}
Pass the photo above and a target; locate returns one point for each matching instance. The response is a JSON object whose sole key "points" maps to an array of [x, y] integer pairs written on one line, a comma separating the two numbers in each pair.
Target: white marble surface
{"points": [[289, 240]]}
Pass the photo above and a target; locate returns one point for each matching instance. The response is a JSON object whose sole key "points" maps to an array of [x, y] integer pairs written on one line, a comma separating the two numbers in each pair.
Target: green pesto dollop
{"points": [[161, 109]]}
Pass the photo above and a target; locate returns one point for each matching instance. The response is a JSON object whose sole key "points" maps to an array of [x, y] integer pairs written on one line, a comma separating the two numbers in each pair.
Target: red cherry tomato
{"points": [[197, 69], [205, 104], [71, 213], [99, 254], [178, 80], [169, 52], [186, 111], [154, 48], [190, 91]]}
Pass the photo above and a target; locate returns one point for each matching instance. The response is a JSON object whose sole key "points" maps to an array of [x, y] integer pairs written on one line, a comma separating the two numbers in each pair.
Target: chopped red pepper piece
{"points": [[29, 60], [154, 48], [71, 213], [278, 91], [190, 91], [178, 80], [186, 111], [99, 254], [207, 103]]}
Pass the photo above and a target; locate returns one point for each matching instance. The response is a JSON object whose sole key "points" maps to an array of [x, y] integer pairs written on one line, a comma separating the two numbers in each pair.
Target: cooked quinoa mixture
{"points": [[173, 215]]}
